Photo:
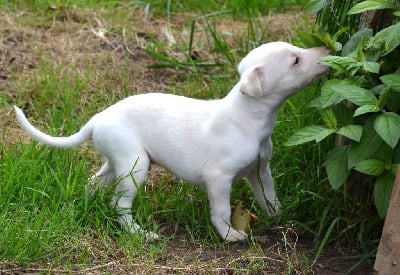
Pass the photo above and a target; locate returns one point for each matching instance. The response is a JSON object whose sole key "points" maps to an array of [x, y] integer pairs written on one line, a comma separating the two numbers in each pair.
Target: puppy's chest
{"points": [[248, 169], [253, 160]]}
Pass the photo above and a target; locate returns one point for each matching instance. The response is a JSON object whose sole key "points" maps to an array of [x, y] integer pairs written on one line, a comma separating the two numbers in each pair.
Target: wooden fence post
{"points": [[387, 260]]}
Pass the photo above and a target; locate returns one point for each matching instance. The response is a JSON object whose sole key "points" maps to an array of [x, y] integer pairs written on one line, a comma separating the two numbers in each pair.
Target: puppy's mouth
{"points": [[323, 69], [321, 73]]}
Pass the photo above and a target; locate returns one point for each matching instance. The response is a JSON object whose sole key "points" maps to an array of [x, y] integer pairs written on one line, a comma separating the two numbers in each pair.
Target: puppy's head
{"points": [[280, 69]]}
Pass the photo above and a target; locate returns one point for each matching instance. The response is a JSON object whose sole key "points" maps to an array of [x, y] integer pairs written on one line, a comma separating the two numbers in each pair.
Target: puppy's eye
{"points": [[296, 61]]}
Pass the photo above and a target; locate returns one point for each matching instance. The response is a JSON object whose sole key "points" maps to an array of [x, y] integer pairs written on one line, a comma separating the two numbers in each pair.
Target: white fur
{"points": [[210, 143]]}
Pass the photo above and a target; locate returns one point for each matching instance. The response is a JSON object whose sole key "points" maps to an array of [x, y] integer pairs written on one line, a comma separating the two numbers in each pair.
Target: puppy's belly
{"points": [[196, 170], [185, 172], [179, 164]]}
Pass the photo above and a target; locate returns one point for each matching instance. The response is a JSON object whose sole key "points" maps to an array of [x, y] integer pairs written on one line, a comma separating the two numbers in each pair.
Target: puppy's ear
{"points": [[251, 82]]}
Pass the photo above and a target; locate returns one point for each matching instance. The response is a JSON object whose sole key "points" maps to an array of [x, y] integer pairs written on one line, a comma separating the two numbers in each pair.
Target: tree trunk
{"points": [[387, 260]]}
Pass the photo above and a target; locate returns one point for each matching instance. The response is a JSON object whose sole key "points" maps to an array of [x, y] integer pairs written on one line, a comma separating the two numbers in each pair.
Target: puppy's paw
{"points": [[274, 210], [93, 185], [91, 189], [151, 236], [235, 235]]}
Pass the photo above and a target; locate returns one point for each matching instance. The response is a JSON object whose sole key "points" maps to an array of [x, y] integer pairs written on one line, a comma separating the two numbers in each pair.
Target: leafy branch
{"points": [[361, 103]]}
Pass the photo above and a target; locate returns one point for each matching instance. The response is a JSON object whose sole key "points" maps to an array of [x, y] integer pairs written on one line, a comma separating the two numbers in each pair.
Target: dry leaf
{"points": [[242, 218]]}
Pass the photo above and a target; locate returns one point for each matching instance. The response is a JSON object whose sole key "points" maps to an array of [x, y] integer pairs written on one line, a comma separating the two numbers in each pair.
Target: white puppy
{"points": [[210, 143]]}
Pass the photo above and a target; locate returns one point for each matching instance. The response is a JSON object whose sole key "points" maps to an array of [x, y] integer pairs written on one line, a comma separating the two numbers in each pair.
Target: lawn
{"points": [[64, 62]]}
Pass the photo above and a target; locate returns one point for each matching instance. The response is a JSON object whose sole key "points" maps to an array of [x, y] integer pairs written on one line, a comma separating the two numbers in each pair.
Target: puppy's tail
{"points": [[63, 142]]}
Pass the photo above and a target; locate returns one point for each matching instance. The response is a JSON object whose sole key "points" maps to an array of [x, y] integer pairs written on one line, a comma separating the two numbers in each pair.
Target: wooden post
{"points": [[387, 260]]}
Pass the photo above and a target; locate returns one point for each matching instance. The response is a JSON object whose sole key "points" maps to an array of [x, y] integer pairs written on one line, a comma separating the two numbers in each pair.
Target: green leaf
{"points": [[378, 89], [387, 39], [385, 153], [371, 5], [387, 125], [351, 48], [370, 142], [336, 166], [353, 132], [366, 109], [328, 116], [355, 94], [343, 115], [372, 67], [309, 133], [314, 6], [393, 39], [392, 80], [383, 192], [395, 168], [372, 167], [338, 63], [308, 39], [324, 134], [384, 94], [328, 95], [315, 103], [326, 41], [392, 101]]}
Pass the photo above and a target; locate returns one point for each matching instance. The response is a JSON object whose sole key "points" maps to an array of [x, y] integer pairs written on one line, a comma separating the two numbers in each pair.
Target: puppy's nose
{"points": [[328, 51], [323, 51]]}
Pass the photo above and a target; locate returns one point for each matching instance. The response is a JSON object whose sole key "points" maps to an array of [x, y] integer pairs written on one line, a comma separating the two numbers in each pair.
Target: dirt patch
{"points": [[9, 131], [279, 252], [83, 39]]}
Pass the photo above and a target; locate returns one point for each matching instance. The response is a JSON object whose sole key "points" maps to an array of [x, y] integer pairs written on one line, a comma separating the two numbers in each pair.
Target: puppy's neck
{"points": [[261, 108], [261, 112]]}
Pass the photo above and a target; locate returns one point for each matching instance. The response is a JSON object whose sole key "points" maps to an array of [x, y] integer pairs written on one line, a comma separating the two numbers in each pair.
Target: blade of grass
{"points": [[325, 239]]}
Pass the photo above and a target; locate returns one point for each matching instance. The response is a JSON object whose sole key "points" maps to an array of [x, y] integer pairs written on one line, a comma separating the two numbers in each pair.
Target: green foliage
{"points": [[371, 5], [337, 166], [332, 16], [360, 103]]}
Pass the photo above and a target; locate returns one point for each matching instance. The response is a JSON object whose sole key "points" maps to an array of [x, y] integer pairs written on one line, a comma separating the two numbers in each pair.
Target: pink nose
{"points": [[324, 51], [329, 51]]}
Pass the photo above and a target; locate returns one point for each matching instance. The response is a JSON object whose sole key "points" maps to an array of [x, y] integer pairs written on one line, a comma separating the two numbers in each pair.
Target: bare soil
{"points": [[84, 39], [281, 252]]}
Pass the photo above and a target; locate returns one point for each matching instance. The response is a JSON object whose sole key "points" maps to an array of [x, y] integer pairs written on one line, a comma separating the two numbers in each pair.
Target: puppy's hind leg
{"points": [[105, 175], [132, 173]]}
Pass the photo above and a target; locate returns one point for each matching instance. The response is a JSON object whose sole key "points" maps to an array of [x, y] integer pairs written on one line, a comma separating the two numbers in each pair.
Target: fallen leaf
{"points": [[242, 218]]}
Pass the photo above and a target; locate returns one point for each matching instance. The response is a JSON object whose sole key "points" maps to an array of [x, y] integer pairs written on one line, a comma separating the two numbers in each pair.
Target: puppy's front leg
{"points": [[219, 196], [262, 184], [261, 181]]}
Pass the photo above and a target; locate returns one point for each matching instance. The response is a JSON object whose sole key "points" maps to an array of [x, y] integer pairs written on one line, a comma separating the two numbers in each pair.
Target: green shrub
{"points": [[360, 103]]}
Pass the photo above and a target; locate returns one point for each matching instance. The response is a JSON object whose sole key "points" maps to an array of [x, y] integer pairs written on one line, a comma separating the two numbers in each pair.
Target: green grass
{"points": [[45, 211], [236, 7]]}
